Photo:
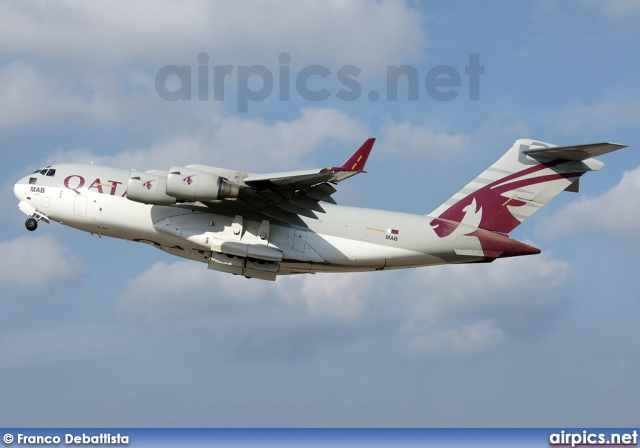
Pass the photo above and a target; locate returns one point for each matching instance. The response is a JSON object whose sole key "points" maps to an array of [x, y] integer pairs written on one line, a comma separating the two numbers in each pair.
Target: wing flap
{"points": [[321, 191], [292, 208], [274, 212], [302, 200]]}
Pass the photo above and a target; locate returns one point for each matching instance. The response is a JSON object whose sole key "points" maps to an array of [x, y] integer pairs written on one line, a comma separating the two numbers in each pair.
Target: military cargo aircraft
{"points": [[265, 225]]}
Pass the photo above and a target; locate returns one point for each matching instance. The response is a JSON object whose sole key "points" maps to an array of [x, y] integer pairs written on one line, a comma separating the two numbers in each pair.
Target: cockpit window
{"points": [[51, 172], [43, 171], [33, 180]]}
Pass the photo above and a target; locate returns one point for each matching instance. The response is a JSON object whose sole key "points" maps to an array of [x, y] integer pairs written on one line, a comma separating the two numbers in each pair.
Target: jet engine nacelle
{"points": [[196, 185], [149, 188]]}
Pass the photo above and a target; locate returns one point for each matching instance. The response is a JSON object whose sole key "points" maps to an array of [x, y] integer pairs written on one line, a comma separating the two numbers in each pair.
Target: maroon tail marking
{"points": [[495, 214], [495, 245]]}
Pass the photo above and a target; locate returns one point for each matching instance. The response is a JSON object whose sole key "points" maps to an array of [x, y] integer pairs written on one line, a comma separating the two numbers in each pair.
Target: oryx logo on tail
{"points": [[523, 180], [495, 201]]}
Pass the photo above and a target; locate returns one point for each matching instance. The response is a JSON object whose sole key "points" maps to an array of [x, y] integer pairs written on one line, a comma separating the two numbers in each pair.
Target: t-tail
{"points": [[525, 178]]}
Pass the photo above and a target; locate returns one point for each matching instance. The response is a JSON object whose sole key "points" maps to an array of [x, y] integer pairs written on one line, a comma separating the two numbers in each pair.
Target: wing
{"points": [[287, 196]]}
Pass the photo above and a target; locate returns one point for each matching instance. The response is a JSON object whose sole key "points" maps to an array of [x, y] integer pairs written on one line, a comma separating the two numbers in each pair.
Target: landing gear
{"points": [[34, 216], [31, 224]]}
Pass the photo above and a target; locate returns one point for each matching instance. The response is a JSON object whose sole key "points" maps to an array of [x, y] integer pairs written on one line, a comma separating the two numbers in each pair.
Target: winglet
{"points": [[358, 159]]}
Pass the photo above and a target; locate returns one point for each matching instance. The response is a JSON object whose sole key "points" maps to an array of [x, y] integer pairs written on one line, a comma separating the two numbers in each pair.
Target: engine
{"points": [[149, 188], [196, 185], [180, 183]]}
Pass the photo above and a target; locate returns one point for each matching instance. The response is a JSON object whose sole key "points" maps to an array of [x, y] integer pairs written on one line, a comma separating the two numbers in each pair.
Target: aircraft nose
{"points": [[19, 189]]}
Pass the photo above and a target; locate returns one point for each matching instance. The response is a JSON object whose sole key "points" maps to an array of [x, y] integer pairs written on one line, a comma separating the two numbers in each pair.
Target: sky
{"points": [[100, 332]]}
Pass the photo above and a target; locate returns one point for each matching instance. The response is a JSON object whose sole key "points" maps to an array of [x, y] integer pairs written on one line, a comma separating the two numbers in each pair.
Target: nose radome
{"points": [[16, 190], [19, 189]]}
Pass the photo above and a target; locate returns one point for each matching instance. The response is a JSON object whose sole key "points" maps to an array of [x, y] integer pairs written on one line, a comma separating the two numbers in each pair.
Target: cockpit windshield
{"points": [[48, 171]]}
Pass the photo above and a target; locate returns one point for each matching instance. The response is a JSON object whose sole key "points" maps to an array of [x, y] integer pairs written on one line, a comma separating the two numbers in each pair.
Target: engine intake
{"points": [[149, 188]]}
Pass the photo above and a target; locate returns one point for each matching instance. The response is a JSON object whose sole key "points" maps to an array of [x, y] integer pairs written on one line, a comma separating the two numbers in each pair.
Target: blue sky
{"points": [[101, 332]]}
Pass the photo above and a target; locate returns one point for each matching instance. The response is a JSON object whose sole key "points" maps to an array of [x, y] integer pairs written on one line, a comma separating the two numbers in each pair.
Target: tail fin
{"points": [[525, 178]]}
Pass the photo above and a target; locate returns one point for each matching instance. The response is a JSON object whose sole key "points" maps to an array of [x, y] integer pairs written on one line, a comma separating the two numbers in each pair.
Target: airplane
{"points": [[267, 225]]}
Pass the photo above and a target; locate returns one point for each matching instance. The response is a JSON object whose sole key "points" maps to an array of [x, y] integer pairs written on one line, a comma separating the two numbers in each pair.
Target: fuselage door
{"points": [[80, 207], [299, 240]]}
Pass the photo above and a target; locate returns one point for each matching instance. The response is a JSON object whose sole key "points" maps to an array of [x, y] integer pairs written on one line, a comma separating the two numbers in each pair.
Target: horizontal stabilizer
{"points": [[576, 152]]}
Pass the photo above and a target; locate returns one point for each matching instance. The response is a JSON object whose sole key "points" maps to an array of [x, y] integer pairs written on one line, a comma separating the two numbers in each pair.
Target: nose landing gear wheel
{"points": [[31, 224]]}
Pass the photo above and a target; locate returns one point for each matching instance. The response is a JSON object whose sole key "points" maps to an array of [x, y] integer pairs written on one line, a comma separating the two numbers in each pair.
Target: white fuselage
{"points": [[92, 198], [264, 225]]}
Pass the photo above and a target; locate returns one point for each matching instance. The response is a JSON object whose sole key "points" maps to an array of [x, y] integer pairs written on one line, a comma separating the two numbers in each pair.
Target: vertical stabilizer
{"points": [[525, 178]]}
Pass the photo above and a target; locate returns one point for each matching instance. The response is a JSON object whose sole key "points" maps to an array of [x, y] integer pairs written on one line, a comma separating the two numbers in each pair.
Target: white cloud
{"points": [[608, 114], [507, 298], [615, 211], [239, 314], [185, 286], [420, 142], [436, 142], [325, 296], [36, 260], [245, 144], [30, 96], [457, 309], [107, 33], [472, 338], [59, 343], [180, 290], [95, 63], [619, 9]]}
